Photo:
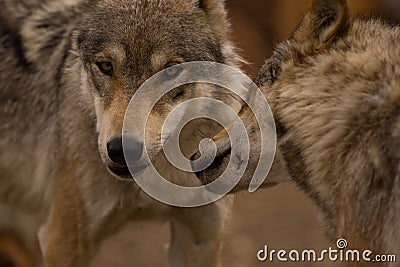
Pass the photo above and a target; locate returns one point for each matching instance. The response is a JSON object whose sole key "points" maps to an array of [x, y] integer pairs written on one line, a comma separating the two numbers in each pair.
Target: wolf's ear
{"points": [[216, 11], [324, 23]]}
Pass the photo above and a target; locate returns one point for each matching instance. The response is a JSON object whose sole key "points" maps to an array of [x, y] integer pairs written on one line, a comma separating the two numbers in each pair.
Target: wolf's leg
{"points": [[197, 235], [18, 241], [66, 241]]}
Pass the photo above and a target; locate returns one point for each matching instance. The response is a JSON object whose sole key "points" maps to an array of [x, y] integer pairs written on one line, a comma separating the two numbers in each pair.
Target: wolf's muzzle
{"points": [[212, 172], [115, 151]]}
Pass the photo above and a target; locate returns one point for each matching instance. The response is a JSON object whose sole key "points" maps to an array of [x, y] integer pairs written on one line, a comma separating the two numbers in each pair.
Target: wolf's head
{"points": [[311, 81], [122, 43]]}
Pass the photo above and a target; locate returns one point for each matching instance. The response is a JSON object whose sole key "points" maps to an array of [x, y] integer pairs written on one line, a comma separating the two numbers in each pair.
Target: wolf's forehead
{"points": [[145, 8], [145, 24], [142, 18]]}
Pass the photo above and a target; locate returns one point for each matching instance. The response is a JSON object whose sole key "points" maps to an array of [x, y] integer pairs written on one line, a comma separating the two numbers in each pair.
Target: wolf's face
{"points": [[311, 82], [123, 43]]}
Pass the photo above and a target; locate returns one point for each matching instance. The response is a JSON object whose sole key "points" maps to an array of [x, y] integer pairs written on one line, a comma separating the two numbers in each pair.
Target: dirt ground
{"points": [[280, 217]]}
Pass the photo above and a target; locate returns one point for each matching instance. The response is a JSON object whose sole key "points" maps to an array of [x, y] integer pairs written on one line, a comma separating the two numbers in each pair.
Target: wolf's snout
{"points": [[116, 152], [219, 164]]}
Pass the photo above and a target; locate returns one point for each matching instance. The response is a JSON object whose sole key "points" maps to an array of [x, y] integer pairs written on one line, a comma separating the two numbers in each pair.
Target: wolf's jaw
{"points": [[123, 172]]}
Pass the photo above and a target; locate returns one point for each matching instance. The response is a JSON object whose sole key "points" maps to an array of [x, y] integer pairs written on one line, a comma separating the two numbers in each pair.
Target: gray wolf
{"points": [[334, 89], [69, 70]]}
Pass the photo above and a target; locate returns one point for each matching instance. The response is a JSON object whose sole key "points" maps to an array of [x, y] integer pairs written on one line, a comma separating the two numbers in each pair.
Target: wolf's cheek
{"points": [[99, 112], [99, 109]]}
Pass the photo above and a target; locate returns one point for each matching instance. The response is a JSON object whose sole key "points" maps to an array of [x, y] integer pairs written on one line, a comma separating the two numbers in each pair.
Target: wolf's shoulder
{"points": [[38, 27]]}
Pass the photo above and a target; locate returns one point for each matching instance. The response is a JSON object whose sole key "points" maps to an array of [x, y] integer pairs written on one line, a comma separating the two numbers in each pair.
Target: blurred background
{"points": [[259, 24], [280, 217]]}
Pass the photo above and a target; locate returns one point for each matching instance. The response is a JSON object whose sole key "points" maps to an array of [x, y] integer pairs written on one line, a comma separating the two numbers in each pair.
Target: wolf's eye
{"points": [[105, 67], [172, 72]]}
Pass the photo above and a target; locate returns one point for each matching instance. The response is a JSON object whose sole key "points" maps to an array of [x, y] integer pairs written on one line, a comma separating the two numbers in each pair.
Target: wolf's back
{"points": [[13, 12]]}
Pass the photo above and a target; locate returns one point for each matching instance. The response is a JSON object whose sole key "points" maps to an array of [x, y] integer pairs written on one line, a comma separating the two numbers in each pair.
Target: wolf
{"points": [[334, 89], [69, 71]]}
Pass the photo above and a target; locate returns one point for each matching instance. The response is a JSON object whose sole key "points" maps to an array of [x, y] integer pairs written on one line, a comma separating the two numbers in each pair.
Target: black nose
{"points": [[134, 149]]}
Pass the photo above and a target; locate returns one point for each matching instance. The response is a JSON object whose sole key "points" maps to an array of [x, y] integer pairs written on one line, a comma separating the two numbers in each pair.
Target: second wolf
{"points": [[334, 88]]}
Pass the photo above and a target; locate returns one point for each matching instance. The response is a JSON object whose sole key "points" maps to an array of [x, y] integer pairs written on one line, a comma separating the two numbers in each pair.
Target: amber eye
{"points": [[105, 67], [172, 72]]}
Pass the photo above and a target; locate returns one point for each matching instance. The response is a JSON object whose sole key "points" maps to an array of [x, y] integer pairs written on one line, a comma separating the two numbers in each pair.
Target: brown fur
{"points": [[58, 111], [334, 89]]}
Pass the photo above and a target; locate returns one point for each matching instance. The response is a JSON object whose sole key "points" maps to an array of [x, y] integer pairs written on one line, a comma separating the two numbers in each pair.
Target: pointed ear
{"points": [[324, 23], [216, 12]]}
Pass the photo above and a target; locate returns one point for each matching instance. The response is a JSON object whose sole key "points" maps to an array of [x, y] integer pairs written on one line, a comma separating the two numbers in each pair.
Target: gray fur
{"points": [[50, 163], [334, 88]]}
